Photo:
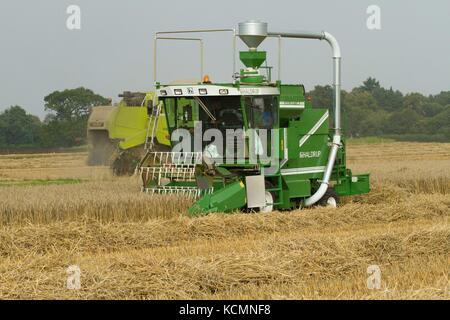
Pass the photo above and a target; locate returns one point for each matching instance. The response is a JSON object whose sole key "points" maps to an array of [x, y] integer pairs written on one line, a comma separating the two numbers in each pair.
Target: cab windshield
{"points": [[216, 112], [225, 114], [261, 112]]}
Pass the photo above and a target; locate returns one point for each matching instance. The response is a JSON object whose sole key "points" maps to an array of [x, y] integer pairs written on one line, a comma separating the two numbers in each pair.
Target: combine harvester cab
{"points": [[253, 144]]}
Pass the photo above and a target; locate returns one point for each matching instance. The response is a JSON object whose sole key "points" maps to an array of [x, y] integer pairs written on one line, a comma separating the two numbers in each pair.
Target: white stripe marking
{"points": [[287, 172], [313, 129], [300, 105]]}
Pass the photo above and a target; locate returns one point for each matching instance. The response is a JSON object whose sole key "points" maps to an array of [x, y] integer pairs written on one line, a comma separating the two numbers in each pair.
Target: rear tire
{"points": [[124, 162], [329, 199]]}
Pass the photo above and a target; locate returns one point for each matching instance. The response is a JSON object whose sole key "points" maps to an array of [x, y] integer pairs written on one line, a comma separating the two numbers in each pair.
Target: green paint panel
{"points": [[313, 153], [352, 185], [292, 93], [230, 198], [292, 96], [308, 150], [298, 187], [252, 59], [309, 118]]}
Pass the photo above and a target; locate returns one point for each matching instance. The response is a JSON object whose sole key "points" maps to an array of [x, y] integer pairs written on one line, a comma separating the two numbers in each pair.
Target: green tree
{"points": [[73, 104], [69, 111], [388, 100], [405, 121], [430, 109], [416, 102], [322, 96], [440, 123], [361, 113], [370, 84], [17, 128], [443, 98]]}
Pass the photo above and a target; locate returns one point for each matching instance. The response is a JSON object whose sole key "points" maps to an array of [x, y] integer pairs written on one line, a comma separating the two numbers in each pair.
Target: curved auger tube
{"points": [[326, 177], [337, 104]]}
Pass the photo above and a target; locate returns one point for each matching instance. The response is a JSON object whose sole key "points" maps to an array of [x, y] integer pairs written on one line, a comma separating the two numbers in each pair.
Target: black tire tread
{"points": [[329, 193]]}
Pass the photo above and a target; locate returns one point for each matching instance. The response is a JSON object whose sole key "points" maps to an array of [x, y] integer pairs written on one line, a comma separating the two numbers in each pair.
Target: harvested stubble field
{"points": [[129, 245]]}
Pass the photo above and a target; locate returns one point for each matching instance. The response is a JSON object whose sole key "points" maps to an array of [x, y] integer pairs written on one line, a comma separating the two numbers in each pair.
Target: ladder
{"points": [[276, 189], [152, 125]]}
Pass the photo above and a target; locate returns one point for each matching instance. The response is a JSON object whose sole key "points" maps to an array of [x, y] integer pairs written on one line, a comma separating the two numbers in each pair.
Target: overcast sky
{"points": [[113, 51]]}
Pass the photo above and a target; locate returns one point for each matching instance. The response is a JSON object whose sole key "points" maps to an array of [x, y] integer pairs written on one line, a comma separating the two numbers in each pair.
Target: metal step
{"points": [[271, 175], [277, 189]]}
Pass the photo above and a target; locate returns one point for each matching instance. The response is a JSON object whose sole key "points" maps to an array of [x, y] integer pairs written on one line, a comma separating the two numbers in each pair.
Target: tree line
{"points": [[64, 125], [368, 110], [371, 110]]}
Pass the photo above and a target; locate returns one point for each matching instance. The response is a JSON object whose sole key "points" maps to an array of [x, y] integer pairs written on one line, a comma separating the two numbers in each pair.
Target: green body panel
{"points": [[291, 93], [308, 150], [297, 186], [252, 59], [353, 185], [230, 198], [310, 118], [292, 98], [251, 77], [314, 148]]}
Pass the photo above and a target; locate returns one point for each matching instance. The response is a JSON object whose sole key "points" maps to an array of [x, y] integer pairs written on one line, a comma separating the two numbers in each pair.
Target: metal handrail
{"points": [[180, 39], [157, 37]]}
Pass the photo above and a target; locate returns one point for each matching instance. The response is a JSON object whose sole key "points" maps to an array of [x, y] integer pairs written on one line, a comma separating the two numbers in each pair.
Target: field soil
{"points": [[57, 212]]}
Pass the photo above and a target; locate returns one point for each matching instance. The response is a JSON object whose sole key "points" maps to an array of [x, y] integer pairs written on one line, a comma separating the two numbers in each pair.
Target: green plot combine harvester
{"points": [[277, 151]]}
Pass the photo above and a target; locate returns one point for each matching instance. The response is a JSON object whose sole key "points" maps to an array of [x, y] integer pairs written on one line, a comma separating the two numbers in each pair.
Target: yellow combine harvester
{"points": [[119, 135]]}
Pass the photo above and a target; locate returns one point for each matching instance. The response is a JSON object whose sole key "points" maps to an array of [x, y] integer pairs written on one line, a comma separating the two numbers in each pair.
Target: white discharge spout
{"points": [[337, 103]]}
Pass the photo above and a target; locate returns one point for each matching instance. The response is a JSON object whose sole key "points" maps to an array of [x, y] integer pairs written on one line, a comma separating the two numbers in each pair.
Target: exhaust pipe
{"points": [[336, 143]]}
